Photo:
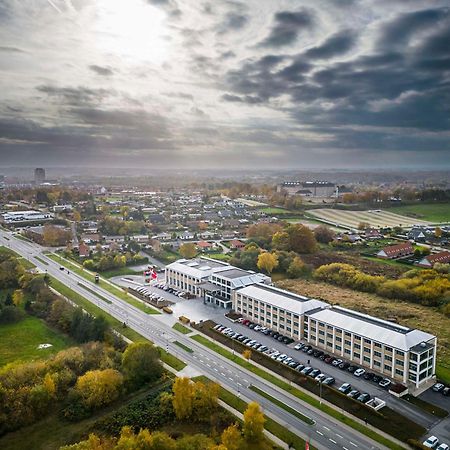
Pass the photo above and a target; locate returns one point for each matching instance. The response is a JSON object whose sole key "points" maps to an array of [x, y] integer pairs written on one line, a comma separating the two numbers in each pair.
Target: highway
{"points": [[326, 433]]}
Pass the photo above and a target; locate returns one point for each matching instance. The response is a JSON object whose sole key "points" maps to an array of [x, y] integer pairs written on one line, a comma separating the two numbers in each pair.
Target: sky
{"points": [[255, 84]]}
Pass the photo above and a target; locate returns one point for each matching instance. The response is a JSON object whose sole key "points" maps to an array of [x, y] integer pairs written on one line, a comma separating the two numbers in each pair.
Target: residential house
{"points": [[91, 238], [396, 251], [236, 244], [430, 260], [83, 250], [204, 246]]}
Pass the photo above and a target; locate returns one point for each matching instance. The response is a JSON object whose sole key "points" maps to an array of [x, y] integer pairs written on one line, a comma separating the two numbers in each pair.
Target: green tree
{"points": [[297, 268], [140, 363]]}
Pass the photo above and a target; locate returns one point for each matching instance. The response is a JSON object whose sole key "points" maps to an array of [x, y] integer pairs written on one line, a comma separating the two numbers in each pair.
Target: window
{"points": [[413, 357], [378, 354], [356, 355], [377, 345], [400, 353], [338, 348], [399, 362], [399, 372], [347, 351], [388, 349], [388, 367], [347, 334], [330, 335], [338, 339], [366, 350], [329, 344], [322, 333], [366, 359], [348, 343], [377, 363], [357, 346], [366, 341], [388, 358], [321, 341]]}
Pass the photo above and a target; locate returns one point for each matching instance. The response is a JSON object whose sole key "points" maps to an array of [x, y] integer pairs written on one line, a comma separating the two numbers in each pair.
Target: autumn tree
{"points": [[140, 364], [301, 239], [232, 438], [280, 241], [253, 428], [324, 234], [438, 232], [183, 397], [247, 354], [267, 262], [98, 388], [18, 298], [205, 400], [363, 226], [297, 268], [188, 250]]}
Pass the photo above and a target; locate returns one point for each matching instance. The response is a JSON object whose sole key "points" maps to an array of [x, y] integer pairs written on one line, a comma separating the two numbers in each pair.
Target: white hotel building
{"points": [[400, 353]]}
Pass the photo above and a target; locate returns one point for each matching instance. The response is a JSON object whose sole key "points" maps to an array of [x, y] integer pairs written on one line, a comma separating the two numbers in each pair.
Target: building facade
{"points": [[400, 353]]}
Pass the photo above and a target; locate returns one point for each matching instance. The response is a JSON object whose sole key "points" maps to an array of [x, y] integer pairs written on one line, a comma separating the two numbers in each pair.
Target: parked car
{"points": [[363, 398], [329, 359], [306, 348], [314, 373], [252, 325], [263, 348], [376, 378], [287, 360], [438, 387], [344, 365], [443, 447], [300, 367], [431, 442], [318, 353], [306, 370], [354, 393], [310, 352], [446, 391], [329, 381], [359, 372], [324, 356], [385, 382], [298, 346], [336, 362], [351, 368], [320, 377], [345, 388], [368, 375]]}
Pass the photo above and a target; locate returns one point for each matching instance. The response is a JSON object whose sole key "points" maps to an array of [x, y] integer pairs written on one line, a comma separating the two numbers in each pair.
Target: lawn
{"points": [[181, 328], [273, 210], [171, 360], [433, 212], [408, 314], [122, 271], [184, 347], [218, 256], [19, 341]]}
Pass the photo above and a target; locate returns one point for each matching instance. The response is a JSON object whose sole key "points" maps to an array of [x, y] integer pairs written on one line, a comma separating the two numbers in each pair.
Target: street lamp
{"points": [[320, 392]]}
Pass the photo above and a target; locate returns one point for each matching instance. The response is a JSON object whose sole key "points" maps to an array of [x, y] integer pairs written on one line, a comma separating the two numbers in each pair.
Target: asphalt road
{"points": [[326, 433]]}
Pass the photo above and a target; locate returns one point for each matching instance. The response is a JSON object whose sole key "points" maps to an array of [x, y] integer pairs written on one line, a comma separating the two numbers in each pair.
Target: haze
{"points": [[195, 84]]}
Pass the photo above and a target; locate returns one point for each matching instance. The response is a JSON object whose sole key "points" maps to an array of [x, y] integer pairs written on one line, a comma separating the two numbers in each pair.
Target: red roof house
{"points": [[430, 260], [395, 251], [236, 244]]}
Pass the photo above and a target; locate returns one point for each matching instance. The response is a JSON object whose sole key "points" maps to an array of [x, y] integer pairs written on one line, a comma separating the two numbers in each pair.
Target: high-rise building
{"points": [[39, 175]]}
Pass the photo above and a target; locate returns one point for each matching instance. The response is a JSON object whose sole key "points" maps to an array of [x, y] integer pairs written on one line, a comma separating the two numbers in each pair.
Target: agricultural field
{"points": [[250, 203], [434, 212], [20, 341], [408, 314], [375, 218]]}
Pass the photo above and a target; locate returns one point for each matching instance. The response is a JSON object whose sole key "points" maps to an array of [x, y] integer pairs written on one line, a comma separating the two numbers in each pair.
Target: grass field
{"points": [[408, 314], [433, 212], [219, 256], [19, 341], [122, 271], [281, 211], [181, 328], [375, 218]]}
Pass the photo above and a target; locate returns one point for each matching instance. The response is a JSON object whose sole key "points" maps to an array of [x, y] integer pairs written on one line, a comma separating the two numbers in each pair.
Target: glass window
{"points": [[377, 363], [387, 367], [366, 359], [338, 348], [388, 349], [399, 372], [399, 362], [322, 341], [356, 355]]}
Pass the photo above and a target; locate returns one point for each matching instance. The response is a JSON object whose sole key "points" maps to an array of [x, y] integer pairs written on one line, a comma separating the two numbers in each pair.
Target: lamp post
{"points": [[320, 392]]}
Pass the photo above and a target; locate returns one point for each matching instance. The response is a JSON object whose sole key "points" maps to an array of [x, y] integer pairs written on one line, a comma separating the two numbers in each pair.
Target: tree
{"points": [[297, 268], [99, 387], [363, 226], [247, 354], [253, 428], [438, 232], [324, 234], [183, 397], [232, 438], [205, 400], [140, 363], [267, 261], [301, 239], [188, 250], [280, 240], [18, 297], [76, 215]]}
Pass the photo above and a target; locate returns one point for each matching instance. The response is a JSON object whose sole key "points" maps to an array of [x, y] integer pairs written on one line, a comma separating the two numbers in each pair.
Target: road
{"points": [[325, 434]]}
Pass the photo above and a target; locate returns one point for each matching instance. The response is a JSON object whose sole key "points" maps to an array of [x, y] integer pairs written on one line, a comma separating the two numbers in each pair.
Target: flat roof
{"points": [[370, 327], [233, 273], [280, 298]]}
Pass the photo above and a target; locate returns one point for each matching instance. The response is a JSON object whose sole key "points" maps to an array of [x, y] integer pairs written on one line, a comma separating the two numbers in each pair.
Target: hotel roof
{"points": [[370, 327]]}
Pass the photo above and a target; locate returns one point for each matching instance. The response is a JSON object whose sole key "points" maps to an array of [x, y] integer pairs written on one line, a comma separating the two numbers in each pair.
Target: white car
{"points": [[443, 447], [298, 346], [257, 328], [281, 357], [320, 377], [431, 442], [359, 372]]}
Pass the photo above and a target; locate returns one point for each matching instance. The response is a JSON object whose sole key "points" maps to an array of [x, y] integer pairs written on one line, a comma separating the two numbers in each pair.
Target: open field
{"points": [[408, 314], [19, 341], [251, 203], [375, 218], [434, 212]]}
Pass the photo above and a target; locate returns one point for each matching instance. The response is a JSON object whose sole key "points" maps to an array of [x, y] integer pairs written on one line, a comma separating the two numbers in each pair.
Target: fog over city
{"points": [[229, 84]]}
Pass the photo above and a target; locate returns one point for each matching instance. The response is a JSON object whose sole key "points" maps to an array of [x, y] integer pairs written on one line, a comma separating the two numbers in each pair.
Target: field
{"points": [[408, 314], [375, 218], [434, 212], [19, 341]]}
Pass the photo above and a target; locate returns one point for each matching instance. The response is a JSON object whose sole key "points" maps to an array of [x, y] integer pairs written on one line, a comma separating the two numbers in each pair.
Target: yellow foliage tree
{"points": [[267, 262], [183, 397], [232, 438], [18, 297], [247, 354], [188, 251], [253, 428]]}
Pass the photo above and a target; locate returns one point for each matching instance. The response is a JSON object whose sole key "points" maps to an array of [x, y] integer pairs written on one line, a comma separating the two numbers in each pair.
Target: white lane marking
{"points": [[221, 373], [326, 428], [354, 445], [231, 379], [216, 369], [318, 432], [339, 436], [345, 448], [331, 440], [209, 365]]}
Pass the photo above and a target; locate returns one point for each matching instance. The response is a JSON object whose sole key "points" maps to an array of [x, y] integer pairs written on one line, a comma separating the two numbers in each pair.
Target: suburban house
{"points": [[372, 234], [203, 246], [430, 260], [114, 239], [396, 251], [236, 244], [417, 234], [186, 235], [91, 238], [83, 250]]}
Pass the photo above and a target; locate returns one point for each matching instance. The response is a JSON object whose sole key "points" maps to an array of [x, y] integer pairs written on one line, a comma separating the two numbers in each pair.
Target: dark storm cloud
{"points": [[244, 99], [288, 25], [399, 31], [100, 70], [335, 45]]}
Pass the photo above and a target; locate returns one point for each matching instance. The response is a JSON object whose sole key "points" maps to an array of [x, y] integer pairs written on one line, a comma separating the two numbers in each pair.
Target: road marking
{"points": [[318, 432], [339, 436], [345, 448], [331, 440], [326, 428], [354, 445], [231, 379], [209, 365]]}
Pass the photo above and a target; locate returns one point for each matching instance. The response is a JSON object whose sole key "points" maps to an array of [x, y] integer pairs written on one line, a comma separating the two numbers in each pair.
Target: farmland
{"points": [[375, 218], [434, 212]]}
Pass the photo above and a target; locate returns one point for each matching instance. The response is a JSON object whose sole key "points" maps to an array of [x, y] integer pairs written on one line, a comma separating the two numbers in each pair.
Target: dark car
{"points": [[280, 338], [275, 335], [363, 398], [318, 353], [310, 351], [252, 325], [376, 378], [314, 373], [368, 376], [344, 365], [288, 340], [329, 381], [306, 348], [329, 359], [324, 356], [352, 368], [354, 393], [61, 268], [300, 367], [446, 391], [306, 370]]}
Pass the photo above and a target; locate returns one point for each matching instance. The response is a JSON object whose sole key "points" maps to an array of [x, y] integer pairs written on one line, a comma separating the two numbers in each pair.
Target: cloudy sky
{"points": [[233, 84]]}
